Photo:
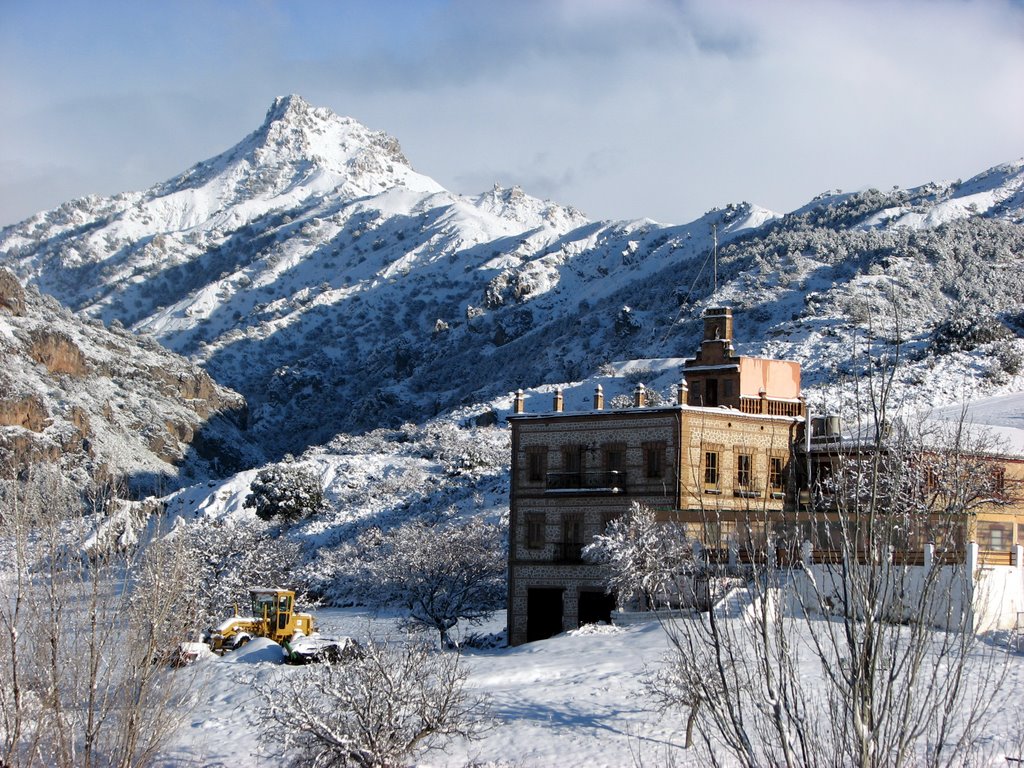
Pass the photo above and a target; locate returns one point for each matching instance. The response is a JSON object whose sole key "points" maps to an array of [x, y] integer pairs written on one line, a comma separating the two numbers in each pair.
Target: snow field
{"points": [[574, 700]]}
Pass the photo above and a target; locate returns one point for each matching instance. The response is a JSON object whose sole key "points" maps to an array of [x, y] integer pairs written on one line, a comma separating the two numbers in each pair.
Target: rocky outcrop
{"points": [[57, 352], [12, 295], [25, 412], [99, 399]]}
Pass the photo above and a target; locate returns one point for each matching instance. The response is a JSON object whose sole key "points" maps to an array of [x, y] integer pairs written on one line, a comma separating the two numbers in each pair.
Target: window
{"points": [[536, 464], [572, 459], [654, 459], [535, 530], [776, 478], [572, 528], [729, 387], [615, 466], [710, 470], [572, 538], [711, 393], [999, 482], [993, 536], [930, 480], [744, 473], [614, 457]]}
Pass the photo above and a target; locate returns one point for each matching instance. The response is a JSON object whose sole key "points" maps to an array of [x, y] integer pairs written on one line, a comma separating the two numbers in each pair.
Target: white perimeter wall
{"points": [[992, 598]]}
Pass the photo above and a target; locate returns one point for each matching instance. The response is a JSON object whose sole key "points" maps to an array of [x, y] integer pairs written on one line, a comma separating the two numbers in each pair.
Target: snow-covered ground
{"points": [[1001, 416], [575, 699]]}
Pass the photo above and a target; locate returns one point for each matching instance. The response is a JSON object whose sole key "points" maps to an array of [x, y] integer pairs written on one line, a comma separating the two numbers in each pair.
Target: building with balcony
{"points": [[730, 460], [730, 447]]}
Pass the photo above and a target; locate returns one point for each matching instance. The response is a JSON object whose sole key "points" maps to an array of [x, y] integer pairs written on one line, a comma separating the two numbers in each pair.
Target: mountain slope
{"points": [[312, 269], [100, 401]]}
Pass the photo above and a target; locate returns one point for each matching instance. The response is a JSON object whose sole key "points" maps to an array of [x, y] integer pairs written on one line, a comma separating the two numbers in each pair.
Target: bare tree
{"points": [[226, 561], [373, 710], [441, 572], [843, 646], [86, 620]]}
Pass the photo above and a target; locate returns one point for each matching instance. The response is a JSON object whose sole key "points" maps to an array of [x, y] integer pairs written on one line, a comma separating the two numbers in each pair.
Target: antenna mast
{"points": [[714, 236]]}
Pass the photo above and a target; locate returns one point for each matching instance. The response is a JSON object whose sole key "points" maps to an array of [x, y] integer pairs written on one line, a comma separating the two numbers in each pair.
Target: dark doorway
{"points": [[596, 607], [543, 613]]}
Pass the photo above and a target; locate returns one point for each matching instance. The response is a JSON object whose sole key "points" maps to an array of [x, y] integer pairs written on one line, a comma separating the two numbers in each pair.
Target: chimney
{"points": [[718, 324], [639, 396], [559, 401], [599, 398], [518, 402], [681, 393]]}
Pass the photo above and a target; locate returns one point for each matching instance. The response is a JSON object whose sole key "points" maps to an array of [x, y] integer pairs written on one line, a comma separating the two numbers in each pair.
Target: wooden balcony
{"points": [[771, 406]]}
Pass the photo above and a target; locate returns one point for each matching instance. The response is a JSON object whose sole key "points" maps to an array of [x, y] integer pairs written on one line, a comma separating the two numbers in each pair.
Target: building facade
{"points": [[729, 460], [724, 445]]}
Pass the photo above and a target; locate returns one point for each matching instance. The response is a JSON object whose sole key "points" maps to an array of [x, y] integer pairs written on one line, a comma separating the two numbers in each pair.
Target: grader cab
{"points": [[273, 616]]}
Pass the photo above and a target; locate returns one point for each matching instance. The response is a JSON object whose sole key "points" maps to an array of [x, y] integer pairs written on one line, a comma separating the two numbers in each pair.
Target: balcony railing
{"points": [[771, 407], [613, 481], [567, 552]]}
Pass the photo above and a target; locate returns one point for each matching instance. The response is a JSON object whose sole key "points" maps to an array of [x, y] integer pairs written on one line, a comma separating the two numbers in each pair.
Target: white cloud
{"points": [[657, 108]]}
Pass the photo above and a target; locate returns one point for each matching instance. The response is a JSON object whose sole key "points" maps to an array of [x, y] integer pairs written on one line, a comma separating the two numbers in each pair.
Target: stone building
{"points": [[729, 460], [726, 444]]}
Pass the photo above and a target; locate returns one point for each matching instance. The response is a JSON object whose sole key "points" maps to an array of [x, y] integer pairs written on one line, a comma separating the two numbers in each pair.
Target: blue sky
{"points": [[657, 108]]}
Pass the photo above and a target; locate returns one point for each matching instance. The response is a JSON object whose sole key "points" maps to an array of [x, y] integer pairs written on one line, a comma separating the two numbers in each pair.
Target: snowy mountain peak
{"points": [[288, 107], [301, 151], [513, 204], [296, 130]]}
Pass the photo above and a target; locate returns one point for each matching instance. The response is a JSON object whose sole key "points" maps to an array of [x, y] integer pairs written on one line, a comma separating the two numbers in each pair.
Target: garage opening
{"points": [[596, 607], [543, 613]]}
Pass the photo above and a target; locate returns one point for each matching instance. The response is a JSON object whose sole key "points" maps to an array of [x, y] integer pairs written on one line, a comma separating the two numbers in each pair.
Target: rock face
{"points": [[96, 399], [12, 296], [57, 352]]}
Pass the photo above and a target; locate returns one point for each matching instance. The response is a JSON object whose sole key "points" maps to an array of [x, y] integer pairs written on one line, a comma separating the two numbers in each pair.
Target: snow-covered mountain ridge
{"points": [[311, 268]]}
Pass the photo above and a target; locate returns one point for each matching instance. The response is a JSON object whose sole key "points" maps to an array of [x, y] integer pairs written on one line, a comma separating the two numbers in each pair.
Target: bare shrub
{"points": [[377, 709], [87, 617]]}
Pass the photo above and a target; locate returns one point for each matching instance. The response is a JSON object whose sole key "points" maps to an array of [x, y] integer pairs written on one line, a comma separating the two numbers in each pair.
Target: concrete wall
{"points": [[777, 378]]}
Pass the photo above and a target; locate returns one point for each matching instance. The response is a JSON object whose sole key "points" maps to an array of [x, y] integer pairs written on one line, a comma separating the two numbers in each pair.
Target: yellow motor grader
{"points": [[274, 617]]}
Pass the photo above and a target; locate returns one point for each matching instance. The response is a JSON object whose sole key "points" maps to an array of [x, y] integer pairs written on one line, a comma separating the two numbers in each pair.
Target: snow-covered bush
{"points": [[477, 451], [288, 490], [646, 559], [378, 709], [1009, 358], [620, 401], [968, 330], [626, 322]]}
